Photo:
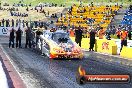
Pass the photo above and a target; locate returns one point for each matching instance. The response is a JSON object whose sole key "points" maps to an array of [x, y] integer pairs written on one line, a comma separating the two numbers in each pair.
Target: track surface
{"points": [[39, 72]]}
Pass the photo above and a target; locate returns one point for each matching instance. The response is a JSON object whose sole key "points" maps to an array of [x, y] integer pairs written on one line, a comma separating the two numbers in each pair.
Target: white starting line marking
{"points": [[3, 78]]}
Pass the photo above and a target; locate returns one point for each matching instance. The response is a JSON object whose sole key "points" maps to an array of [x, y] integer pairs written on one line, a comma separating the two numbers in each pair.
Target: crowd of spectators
{"points": [[23, 23], [14, 10], [6, 4], [20, 4], [50, 5]]}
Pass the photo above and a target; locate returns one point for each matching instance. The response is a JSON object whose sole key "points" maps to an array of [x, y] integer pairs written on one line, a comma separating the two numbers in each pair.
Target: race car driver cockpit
{"points": [[61, 38]]}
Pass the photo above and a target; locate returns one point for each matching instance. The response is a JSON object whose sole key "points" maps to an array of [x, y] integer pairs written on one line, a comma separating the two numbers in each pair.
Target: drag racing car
{"points": [[57, 44]]}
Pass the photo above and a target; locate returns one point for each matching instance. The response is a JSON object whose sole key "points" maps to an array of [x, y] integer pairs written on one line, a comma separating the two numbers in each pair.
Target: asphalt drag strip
{"points": [[40, 72]]}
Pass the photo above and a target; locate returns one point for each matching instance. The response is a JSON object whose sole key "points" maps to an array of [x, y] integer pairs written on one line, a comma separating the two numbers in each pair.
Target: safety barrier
{"points": [[101, 45], [84, 43], [106, 46], [126, 52]]}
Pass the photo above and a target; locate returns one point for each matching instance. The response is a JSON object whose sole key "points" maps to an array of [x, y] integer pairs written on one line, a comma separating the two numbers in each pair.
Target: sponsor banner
{"points": [[6, 30]]}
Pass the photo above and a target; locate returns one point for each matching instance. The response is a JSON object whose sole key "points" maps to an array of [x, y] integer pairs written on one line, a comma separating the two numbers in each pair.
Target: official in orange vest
{"points": [[123, 38], [71, 32], [101, 33]]}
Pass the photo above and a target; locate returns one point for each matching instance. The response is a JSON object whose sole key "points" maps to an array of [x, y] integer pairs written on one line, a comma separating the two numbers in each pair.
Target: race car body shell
{"points": [[58, 45]]}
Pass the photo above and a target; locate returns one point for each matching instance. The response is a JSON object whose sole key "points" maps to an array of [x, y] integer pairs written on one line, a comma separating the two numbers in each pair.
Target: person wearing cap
{"points": [[124, 35]]}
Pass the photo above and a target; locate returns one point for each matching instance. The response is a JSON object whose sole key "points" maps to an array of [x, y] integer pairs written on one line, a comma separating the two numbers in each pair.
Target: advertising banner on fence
{"points": [[6, 30]]}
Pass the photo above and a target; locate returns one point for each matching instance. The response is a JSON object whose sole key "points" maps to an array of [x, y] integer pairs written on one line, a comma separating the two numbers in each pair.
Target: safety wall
{"points": [[126, 52], [106, 46], [84, 43], [102, 45], [5, 31]]}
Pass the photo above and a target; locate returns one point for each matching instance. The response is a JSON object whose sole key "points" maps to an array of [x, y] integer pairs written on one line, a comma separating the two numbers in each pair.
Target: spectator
{"points": [[48, 13], [98, 27], [27, 23], [12, 22], [130, 7], [30, 4], [113, 30], [11, 38], [27, 9], [18, 37], [78, 36], [16, 22], [23, 23], [108, 33], [55, 15], [36, 24], [3, 21], [92, 39], [129, 34], [7, 23]]}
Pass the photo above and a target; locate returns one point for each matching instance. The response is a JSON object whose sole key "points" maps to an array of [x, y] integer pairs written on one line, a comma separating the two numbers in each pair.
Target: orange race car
{"points": [[57, 44]]}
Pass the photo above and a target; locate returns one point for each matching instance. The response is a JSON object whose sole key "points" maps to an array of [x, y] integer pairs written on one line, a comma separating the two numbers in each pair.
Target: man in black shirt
{"points": [[78, 35], [18, 37], [92, 39], [28, 37], [11, 39], [7, 23], [38, 33]]}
